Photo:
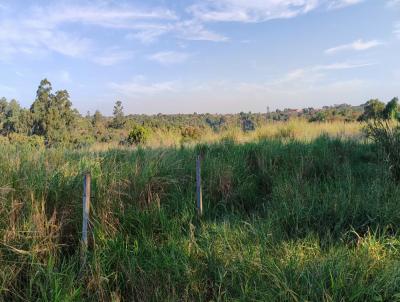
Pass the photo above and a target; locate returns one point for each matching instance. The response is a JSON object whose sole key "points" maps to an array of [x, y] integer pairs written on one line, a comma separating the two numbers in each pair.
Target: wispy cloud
{"points": [[311, 75], [140, 86], [343, 65], [149, 32], [195, 31], [113, 56], [301, 79], [28, 32], [169, 57], [250, 10], [335, 4], [358, 45], [259, 11], [99, 15]]}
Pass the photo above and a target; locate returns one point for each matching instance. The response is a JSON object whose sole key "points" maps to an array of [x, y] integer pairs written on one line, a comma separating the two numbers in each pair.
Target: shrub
{"points": [[83, 140], [21, 139], [138, 135], [191, 133]]}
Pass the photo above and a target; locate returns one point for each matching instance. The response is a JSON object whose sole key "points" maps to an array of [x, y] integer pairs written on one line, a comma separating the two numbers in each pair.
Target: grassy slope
{"points": [[290, 221]]}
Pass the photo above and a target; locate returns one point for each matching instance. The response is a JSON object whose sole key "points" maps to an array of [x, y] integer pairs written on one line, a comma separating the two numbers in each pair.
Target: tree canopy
{"points": [[52, 114]]}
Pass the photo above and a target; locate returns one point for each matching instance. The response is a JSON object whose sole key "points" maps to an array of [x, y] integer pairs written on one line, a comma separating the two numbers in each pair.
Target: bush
{"points": [[191, 133], [21, 139], [138, 135], [83, 140]]}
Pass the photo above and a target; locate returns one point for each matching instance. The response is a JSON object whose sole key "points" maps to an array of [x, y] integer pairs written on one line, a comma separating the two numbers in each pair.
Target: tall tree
{"points": [[40, 107], [11, 121], [3, 106], [118, 112], [52, 114], [16, 119]]}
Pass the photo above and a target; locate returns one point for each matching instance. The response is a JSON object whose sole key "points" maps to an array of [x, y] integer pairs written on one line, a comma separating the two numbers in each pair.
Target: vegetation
{"points": [[51, 117], [283, 220], [375, 110], [298, 209], [138, 135]]}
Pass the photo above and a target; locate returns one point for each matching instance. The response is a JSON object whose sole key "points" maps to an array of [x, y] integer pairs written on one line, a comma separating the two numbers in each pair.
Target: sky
{"points": [[216, 56]]}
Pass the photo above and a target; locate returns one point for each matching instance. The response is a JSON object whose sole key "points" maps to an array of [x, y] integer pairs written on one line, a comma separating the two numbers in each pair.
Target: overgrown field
{"points": [[284, 220], [299, 129]]}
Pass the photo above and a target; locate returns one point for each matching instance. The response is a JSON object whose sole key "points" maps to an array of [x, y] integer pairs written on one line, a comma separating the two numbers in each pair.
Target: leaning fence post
{"points": [[86, 209], [198, 187]]}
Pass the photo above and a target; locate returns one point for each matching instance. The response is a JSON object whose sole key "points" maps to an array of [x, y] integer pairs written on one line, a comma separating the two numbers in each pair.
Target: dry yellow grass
{"points": [[295, 129]]}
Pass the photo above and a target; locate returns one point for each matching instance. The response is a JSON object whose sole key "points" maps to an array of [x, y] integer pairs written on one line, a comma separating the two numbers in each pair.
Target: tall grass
{"points": [[284, 220], [296, 128]]}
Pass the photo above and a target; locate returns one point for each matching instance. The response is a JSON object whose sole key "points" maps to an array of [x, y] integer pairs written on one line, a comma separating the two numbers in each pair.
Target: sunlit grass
{"points": [[299, 129]]}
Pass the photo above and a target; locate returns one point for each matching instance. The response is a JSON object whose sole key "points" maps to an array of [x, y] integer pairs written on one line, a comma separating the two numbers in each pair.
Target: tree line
{"points": [[52, 120]]}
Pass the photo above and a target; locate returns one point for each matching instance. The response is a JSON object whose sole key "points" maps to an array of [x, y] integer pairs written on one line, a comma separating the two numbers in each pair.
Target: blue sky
{"points": [[201, 55]]}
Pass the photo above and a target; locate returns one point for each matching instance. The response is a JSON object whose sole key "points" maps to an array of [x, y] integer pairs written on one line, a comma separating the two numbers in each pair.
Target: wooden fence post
{"points": [[86, 209], [198, 186]]}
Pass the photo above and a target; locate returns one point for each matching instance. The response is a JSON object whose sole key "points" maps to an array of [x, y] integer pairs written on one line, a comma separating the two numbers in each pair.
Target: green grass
{"points": [[283, 221]]}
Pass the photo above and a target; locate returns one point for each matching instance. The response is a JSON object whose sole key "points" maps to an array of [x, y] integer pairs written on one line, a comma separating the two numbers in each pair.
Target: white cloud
{"points": [[98, 15], [17, 38], [307, 77], [195, 31], [169, 57], [140, 86], [112, 57], [28, 32], [357, 45], [149, 32], [259, 10], [250, 10], [187, 30], [335, 4], [343, 65]]}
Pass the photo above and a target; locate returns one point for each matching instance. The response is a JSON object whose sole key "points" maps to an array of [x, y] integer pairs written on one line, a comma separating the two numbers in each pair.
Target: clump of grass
{"points": [[386, 135]]}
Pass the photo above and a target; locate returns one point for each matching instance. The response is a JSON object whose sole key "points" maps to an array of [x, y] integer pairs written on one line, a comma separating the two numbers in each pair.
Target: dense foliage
{"points": [[138, 135]]}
